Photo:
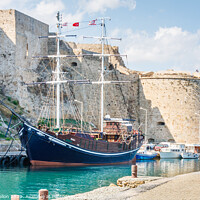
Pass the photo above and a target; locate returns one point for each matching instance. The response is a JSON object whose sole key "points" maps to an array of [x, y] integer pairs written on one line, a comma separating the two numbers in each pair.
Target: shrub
{"points": [[9, 98], [15, 102]]}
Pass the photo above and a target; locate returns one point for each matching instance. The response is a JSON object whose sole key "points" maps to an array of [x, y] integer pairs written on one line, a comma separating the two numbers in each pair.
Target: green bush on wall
{"points": [[15, 102], [9, 98]]}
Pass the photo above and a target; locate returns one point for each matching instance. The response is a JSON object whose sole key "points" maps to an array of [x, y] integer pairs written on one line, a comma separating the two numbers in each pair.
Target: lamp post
{"points": [[81, 113], [146, 140], [199, 124]]}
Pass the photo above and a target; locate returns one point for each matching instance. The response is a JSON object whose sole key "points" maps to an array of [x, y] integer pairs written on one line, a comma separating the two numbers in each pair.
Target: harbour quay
{"points": [[179, 187]]}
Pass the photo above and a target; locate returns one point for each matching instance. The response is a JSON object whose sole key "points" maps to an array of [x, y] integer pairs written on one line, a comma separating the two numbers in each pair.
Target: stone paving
{"points": [[181, 187]]}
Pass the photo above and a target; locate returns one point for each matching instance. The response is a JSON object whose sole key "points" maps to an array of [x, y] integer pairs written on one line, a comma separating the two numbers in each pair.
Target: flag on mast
{"points": [[64, 24], [76, 24], [93, 22]]}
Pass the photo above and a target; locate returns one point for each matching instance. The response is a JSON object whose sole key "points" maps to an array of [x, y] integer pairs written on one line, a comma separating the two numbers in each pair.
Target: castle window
{"points": [[161, 123], [171, 140], [73, 64], [110, 67]]}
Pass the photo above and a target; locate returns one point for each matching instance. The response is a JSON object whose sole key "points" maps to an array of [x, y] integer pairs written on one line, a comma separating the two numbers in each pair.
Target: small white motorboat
{"points": [[189, 155], [146, 152], [173, 151]]}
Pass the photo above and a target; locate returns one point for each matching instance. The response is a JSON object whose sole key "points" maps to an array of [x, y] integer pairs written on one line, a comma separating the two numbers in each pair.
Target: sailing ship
{"points": [[115, 143]]}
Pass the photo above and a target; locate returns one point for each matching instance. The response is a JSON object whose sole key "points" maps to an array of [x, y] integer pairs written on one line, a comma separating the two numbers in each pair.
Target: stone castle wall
{"points": [[18, 43], [7, 46], [171, 100]]}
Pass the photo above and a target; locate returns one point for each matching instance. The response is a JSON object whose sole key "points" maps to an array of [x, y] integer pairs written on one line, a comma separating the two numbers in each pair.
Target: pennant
{"points": [[76, 24], [64, 24], [92, 22]]}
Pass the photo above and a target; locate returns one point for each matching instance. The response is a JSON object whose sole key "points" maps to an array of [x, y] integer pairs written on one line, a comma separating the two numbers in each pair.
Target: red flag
{"points": [[64, 24], [92, 22], [76, 24]]}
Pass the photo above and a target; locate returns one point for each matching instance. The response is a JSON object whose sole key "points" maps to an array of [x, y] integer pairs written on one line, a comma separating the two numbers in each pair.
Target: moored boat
{"points": [[173, 151], [161, 145], [146, 156], [189, 155], [191, 151], [146, 152], [74, 149], [55, 142]]}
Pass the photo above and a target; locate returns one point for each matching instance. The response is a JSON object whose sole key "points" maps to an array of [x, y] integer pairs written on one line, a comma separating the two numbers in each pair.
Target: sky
{"points": [[156, 35]]}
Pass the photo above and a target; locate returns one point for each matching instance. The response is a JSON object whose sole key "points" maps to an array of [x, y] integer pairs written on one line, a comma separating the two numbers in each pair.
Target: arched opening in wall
{"points": [[110, 67], [161, 123], [151, 140], [171, 140], [74, 64]]}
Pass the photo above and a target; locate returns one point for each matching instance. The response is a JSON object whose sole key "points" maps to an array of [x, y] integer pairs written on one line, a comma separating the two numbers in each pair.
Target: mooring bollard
{"points": [[134, 171], [134, 161], [15, 197], [43, 194]]}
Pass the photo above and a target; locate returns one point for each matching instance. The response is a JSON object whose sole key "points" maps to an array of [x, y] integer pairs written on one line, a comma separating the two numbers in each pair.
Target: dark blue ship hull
{"points": [[45, 149]]}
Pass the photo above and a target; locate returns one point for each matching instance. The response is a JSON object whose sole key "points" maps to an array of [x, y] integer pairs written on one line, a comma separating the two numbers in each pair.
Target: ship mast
{"points": [[59, 24], [102, 71], [102, 82], [58, 80]]}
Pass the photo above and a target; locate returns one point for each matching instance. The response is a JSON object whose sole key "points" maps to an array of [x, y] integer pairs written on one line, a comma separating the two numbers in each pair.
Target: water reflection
{"points": [[168, 167]]}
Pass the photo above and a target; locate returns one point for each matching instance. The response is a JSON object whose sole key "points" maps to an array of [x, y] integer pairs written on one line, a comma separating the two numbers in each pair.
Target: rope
{"points": [[21, 149]]}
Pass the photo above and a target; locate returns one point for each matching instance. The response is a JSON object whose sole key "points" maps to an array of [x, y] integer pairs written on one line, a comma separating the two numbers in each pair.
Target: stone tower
{"points": [[172, 102], [18, 43]]}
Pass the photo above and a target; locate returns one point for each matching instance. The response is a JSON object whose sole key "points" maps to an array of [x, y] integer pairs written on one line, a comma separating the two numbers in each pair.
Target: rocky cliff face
{"points": [[120, 99]]}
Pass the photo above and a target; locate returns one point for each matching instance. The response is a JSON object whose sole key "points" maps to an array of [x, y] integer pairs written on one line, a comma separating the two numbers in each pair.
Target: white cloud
{"points": [[131, 4], [13, 4], [46, 10], [43, 10], [47, 7], [5, 4], [167, 48], [91, 6]]}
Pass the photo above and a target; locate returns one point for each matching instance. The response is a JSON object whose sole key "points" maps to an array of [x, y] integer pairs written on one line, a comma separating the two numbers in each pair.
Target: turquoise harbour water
{"points": [[68, 181]]}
